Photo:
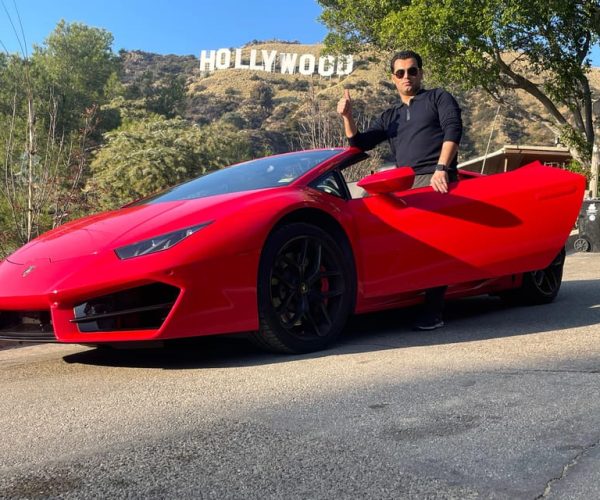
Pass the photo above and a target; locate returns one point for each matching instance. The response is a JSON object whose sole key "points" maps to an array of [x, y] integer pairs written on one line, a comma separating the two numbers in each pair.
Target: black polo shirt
{"points": [[417, 130]]}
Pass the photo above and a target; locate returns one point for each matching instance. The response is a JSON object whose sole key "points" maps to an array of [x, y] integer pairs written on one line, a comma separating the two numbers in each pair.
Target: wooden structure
{"points": [[511, 157]]}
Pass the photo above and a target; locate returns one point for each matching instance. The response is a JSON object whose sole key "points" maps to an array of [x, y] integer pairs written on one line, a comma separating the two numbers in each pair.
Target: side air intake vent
{"points": [[34, 326], [141, 308]]}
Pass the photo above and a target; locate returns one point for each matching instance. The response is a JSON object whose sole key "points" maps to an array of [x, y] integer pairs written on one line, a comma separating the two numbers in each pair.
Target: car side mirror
{"points": [[388, 181]]}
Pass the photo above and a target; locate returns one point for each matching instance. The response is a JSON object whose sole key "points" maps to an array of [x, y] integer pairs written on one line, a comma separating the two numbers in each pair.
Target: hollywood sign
{"points": [[273, 61]]}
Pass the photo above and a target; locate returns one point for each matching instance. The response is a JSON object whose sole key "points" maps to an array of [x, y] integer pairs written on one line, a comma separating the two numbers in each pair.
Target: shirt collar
{"points": [[418, 94]]}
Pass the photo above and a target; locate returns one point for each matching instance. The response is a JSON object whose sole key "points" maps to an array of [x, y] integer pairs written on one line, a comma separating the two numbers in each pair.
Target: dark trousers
{"points": [[423, 180], [434, 301], [434, 297]]}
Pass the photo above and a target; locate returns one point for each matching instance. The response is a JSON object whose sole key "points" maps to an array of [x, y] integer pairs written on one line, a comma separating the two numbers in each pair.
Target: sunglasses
{"points": [[412, 71]]}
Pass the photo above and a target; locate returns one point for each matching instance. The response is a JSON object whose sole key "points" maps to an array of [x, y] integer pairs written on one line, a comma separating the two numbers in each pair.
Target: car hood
{"points": [[88, 235], [96, 233]]}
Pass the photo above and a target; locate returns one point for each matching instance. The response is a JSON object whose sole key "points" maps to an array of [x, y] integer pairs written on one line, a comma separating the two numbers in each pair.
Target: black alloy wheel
{"points": [[306, 288], [539, 287]]}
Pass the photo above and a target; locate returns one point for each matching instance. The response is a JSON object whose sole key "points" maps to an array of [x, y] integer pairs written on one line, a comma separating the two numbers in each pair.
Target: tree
{"points": [[540, 47], [41, 168], [318, 125], [168, 98], [222, 145], [262, 95], [164, 96], [75, 64], [153, 153]]}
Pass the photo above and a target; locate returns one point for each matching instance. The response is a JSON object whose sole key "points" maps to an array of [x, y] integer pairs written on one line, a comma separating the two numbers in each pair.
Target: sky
{"points": [[179, 27], [169, 27]]}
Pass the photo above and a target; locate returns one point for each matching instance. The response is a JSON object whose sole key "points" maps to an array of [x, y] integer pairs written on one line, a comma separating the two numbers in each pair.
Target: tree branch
{"points": [[531, 88]]}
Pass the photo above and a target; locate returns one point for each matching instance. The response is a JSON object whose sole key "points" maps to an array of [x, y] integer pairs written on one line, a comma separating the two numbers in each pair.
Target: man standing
{"points": [[423, 131]]}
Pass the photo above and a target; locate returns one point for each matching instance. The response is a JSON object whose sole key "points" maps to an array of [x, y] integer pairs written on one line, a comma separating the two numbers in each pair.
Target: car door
{"points": [[484, 227]]}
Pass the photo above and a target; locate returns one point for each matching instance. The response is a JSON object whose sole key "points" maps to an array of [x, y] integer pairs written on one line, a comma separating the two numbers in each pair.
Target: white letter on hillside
{"points": [[238, 60], [346, 61], [253, 64], [210, 60], [288, 63], [268, 59], [326, 65], [303, 67], [223, 59]]}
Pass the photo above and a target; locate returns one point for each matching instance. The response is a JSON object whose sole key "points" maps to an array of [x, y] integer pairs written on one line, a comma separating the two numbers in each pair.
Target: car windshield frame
{"points": [[262, 173]]}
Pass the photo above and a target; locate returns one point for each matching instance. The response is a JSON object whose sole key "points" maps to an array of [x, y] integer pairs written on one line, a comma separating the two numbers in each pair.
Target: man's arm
{"points": [[363, 140], [451, 122], [449, 150], [344, 108], [439, 180]]}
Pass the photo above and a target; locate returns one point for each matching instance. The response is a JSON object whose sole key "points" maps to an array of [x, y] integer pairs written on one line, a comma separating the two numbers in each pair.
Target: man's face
{"points": [[410, 83]]}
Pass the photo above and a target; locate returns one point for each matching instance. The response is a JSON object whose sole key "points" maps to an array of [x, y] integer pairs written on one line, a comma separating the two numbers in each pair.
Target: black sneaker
{"points": [[428, 322]]}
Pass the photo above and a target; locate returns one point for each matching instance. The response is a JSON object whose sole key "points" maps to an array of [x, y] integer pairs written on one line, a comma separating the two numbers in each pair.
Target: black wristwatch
{"points": [[440, 168]]}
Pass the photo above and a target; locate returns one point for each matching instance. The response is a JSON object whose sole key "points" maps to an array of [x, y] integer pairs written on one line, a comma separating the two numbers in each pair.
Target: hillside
{"points": [[280, 116]]}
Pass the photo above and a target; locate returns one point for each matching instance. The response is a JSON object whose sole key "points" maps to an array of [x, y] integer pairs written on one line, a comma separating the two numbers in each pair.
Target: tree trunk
{"points": [[31, 165], [593, 191]]}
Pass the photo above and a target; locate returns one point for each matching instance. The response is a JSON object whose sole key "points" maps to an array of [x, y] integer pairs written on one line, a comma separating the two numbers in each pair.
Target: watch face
{"points": [[440, 167]]}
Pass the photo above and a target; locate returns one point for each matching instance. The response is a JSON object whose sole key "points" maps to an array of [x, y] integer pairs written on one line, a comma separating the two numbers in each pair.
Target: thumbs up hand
{"points": [[344, 106]]}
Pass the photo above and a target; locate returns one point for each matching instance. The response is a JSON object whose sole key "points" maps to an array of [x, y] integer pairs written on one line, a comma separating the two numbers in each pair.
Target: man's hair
{"points": [[406, 54]]}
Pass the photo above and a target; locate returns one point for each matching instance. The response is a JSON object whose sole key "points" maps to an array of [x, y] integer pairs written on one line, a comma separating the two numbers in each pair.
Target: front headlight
{"points": [[158, 243]]}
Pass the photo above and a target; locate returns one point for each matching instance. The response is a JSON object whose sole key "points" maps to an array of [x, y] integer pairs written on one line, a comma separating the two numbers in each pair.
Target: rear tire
{"points": [[539, 287], [306, 290]]}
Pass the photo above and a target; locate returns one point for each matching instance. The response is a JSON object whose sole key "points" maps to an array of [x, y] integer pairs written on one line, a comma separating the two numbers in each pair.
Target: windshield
{"points": [[263, 173]]}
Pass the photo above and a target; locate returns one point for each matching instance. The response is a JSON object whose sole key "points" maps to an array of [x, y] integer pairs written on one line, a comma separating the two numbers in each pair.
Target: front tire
{"points": [[539, 287], [306, 289]]}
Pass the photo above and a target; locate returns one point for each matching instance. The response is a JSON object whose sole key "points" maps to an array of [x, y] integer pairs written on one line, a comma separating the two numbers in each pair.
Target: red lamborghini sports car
{"points": [[285, 248]]}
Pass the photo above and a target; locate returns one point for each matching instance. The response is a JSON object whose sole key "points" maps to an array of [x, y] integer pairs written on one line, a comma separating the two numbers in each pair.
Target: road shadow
{"points": [[467, 320]]}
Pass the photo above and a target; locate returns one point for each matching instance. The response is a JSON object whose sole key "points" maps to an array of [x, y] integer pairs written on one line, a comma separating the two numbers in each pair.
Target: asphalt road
{"points": [[502, 403]]}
